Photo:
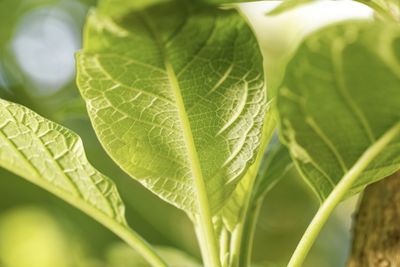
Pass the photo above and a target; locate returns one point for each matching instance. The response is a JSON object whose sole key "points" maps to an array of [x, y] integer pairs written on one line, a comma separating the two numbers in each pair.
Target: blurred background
{"points": [[38, 40]]}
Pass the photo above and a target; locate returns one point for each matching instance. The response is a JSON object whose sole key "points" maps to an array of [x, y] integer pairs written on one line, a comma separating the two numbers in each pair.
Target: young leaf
{"points": [[176, 95], [339, 98], [53, 158], [275, 165]]}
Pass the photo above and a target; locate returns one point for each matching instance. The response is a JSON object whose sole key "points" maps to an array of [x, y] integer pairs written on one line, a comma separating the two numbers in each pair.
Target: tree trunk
{"points": [[376, 237]]}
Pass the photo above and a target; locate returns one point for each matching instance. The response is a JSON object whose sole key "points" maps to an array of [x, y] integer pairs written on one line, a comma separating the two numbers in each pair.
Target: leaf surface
{"points": [[176, 95], [340, 95], [275, 163], [52, 157]]}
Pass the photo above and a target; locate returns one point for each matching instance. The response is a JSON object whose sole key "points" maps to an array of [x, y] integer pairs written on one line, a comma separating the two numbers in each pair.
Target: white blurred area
{"points": [[305, 18], [280, 35], [44, 45]]}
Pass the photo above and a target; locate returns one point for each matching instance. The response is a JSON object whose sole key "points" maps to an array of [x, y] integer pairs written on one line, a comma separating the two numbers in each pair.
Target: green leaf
{"points": [[176, 95], [122, 7], [234, 210], [53, 158], [288, 5], [276, 163], [118, 8], [339, 97], [120, 255]]}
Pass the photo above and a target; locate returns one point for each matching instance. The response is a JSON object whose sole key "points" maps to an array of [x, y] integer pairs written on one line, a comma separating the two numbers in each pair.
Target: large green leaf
{"points": [[175, 93], [123, 7], [341, 94], [53, 158]]}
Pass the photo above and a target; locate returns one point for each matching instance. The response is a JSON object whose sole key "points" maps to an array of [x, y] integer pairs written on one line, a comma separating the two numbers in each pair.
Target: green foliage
{"points": [[255, 181], [118, 8], [275, 165], [176, 96], [339, 96], [52, 157]]}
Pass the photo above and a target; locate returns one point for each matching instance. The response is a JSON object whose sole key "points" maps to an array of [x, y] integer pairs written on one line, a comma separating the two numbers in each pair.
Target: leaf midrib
{"points": [[204, 218], [183, 117]]}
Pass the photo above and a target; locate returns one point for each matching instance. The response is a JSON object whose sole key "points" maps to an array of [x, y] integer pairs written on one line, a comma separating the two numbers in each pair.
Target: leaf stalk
{"points": [[337, 195]]}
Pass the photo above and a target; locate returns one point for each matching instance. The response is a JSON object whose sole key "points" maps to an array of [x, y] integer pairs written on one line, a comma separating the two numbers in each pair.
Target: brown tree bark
{"points": [[376, 237]]}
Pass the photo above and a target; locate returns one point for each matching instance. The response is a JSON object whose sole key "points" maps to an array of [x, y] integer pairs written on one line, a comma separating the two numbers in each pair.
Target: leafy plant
{"points": [[176, 94]]}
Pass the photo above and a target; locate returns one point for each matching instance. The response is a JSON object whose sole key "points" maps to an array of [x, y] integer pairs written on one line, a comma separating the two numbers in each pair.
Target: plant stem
{"points": [[224, 247], [248, 236], [202, 244], [140, 245], [337, 195]]}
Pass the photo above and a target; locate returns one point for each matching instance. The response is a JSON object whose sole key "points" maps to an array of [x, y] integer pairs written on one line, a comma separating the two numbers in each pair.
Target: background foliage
{"points": [[38, 40]]}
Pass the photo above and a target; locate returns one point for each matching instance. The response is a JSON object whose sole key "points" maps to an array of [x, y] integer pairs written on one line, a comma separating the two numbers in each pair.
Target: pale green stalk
{"points": [[337, 195]]}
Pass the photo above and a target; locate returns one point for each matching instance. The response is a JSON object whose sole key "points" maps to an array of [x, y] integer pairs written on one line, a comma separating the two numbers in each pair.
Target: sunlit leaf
{"points": [[276, 162], [53, 158], [116, 8], [176, 95], [340, 95]]}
